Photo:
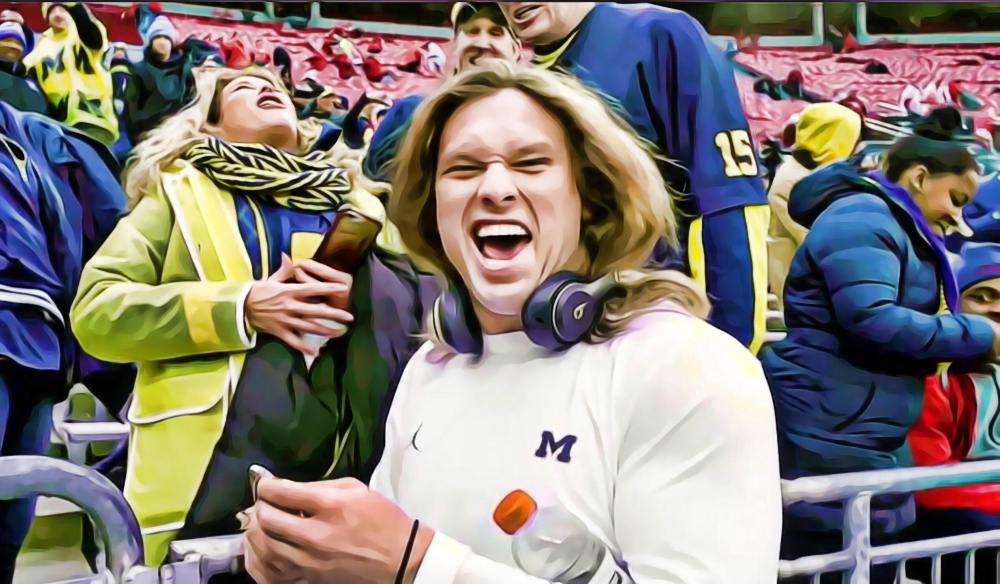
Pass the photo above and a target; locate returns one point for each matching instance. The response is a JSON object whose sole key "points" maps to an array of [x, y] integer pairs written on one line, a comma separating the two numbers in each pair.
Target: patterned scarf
{"points": [[304, 183]]}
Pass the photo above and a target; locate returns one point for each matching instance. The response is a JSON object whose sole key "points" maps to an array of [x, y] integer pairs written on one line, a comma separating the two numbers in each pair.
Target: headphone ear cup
{"points": [[564, 309], [541, 316], [454, 325]]}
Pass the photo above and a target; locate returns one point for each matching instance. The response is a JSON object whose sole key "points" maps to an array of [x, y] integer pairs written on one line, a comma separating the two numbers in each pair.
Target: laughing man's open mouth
{"points": [[500, 240]]}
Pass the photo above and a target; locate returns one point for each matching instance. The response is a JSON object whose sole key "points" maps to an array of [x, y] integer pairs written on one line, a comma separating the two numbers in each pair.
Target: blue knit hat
{"points": [[159, 27], [14, 31], [977, 262]]}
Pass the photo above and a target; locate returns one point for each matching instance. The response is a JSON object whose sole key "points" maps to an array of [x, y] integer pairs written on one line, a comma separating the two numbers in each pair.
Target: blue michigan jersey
{"points": [[660, 69]]}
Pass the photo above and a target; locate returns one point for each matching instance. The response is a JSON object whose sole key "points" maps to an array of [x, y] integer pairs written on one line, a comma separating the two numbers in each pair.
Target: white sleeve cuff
{"points": [[442, 561], [249, 340]]}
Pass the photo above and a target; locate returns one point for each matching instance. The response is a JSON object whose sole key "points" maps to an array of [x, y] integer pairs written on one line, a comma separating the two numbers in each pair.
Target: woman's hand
{"points": [[331, 531], [288, 310], [313, 272]]}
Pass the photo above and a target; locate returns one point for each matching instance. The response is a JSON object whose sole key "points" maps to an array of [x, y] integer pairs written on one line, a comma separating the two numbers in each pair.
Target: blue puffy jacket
{"points": [[862, 305]]}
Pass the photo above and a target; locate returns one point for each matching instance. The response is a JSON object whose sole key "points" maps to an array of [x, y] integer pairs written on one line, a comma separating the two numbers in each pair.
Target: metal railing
{"points": [[77, 434], [120, 543], [195, 561], [115, 526], [866, 38], [857, 490]]}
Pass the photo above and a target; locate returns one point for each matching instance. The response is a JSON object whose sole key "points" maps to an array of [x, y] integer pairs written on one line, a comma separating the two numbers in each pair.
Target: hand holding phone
{"points": [[343, 248]]}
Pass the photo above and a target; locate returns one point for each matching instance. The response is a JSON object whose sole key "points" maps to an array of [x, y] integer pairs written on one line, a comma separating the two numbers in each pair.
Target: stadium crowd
{"points": [[576, 247]]}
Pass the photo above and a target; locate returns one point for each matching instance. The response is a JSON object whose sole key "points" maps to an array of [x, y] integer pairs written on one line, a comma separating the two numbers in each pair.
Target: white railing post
{"points": [[858, 536], [857, 489]]}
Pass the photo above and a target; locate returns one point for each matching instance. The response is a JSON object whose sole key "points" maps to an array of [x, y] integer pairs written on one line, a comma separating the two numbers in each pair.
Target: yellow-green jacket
{"points": [[166, 290]]}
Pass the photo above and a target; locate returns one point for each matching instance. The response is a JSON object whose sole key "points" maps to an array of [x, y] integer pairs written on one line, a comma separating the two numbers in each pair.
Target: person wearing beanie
{"points": [[68, 63], [11, 42], [958, 421], [824, 133], [162, 83], [29, 35], [160, 37], [481, 32], [16, 87]]}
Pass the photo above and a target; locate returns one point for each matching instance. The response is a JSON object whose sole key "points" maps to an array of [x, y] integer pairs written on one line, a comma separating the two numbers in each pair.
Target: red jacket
{"points": [[943, 434]]}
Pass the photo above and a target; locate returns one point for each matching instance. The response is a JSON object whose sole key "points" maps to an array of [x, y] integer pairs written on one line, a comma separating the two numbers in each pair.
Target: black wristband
{"points": [[406, 553]]}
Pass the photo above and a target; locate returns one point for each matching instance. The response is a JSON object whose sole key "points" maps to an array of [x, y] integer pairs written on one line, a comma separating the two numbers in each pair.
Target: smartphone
{"points": [[347, 241], [258, 472]]}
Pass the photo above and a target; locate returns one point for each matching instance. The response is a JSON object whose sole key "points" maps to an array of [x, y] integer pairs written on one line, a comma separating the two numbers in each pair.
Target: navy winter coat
{"points": [[863, 305]]}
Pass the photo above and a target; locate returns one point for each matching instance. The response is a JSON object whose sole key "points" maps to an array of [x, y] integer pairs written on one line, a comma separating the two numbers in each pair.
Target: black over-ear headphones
{"points": [[559, 314]]}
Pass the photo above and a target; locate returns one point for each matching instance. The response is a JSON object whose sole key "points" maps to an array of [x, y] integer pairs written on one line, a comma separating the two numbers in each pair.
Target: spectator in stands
{"points": [[16, 87], [57, 203], [197, 284], [161, 83], [958, 421], [871, 311], [306, 94], [679, 92], [312, 100], [481, 34], [673, 463], [68, 63], [825, 132]]}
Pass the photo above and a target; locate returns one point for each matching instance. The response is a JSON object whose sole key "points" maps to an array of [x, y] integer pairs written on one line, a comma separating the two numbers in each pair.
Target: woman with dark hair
{"points": [[871, 310]]}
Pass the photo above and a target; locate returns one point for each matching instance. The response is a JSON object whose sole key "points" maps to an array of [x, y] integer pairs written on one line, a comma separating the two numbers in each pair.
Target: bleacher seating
{"points": [[877, 76]]}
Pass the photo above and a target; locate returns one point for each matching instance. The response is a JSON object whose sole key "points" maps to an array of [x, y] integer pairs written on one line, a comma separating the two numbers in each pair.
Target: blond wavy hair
{"points": [[162, 146], [627, 207]]}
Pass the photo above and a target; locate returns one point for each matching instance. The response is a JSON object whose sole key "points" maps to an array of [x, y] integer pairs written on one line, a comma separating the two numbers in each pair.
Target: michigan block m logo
{"points": [[549, 446]]}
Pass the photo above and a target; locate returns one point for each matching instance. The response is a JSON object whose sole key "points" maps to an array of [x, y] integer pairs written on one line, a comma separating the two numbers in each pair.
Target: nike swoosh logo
{"points": [[413, 441]]}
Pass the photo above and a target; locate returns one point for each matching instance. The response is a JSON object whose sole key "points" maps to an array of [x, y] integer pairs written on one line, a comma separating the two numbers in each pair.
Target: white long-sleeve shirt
{"points": [[661, 440]]}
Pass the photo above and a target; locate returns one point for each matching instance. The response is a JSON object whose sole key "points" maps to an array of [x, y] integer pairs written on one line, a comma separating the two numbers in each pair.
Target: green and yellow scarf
{"points": [[305, 183]]}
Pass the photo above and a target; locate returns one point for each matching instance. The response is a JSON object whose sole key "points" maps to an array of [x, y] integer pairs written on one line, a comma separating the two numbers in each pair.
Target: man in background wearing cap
{"points": [[16, 87], [481, 32], [162, 83], [68, 63], [958, 421], [678, 91], [825, 132]]}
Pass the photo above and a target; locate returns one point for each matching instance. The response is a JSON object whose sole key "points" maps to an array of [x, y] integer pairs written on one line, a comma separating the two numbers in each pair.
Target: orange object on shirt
{"points": [[514, 511]]}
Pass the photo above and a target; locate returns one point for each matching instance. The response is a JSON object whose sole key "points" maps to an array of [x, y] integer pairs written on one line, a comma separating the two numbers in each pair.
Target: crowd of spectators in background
{"points": [[886, 272]]}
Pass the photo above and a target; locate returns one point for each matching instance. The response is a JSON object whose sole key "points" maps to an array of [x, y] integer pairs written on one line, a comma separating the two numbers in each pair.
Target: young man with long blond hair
{"points": [[557, 365]]}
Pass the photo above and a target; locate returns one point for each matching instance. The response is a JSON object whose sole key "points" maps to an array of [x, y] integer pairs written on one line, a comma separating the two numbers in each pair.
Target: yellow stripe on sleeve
{"points": [[696, 255], [757, 218]]}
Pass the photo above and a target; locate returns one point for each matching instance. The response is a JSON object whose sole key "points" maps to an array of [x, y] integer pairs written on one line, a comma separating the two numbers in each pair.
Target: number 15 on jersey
{"points": [[737, 153]]}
